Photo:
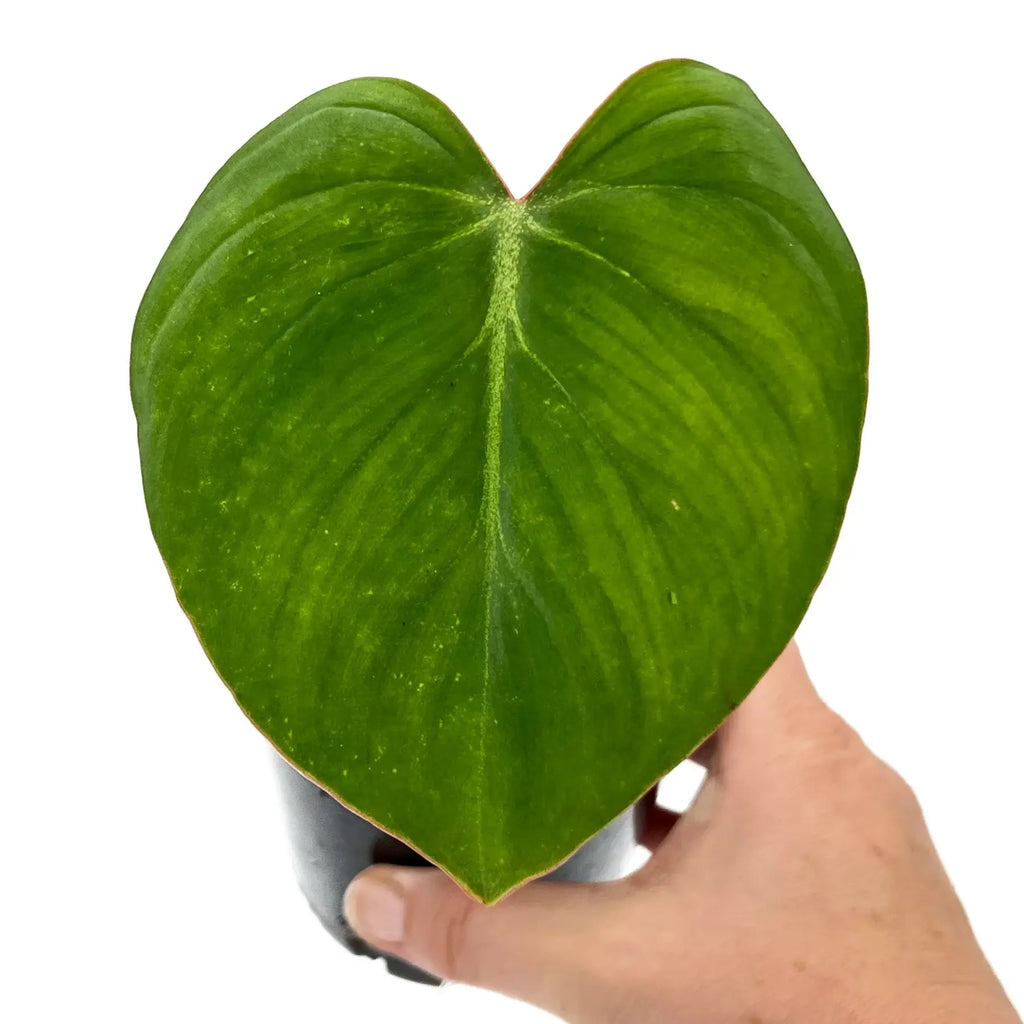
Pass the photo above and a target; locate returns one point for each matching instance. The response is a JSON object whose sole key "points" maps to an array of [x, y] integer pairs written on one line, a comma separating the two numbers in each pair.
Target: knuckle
{"points": [[899, 789], [835, 751], [839, 737], [838, 765], [846, 769]]}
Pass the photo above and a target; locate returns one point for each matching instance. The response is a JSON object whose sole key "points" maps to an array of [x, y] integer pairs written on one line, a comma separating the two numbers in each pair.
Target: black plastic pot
{"points": [[331, 845]]}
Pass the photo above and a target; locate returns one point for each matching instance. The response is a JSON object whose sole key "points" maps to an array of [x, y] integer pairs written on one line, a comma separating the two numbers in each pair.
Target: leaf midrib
{"points": [[501, 314]]}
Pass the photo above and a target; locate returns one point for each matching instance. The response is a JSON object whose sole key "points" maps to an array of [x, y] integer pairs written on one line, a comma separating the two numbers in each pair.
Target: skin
{"points": [[800, 886]]}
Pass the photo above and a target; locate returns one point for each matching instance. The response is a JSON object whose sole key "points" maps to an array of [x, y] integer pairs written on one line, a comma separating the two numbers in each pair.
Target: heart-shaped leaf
{"points": [[489, 511]]}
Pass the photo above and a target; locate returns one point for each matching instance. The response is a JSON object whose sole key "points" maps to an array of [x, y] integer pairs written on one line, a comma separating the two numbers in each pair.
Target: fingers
{"points": [[784, 700], [784, 687], [783, 704], [531, 945]]}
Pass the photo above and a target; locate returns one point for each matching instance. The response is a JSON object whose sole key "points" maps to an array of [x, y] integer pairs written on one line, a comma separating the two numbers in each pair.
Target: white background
{"points": [[145, 875]]}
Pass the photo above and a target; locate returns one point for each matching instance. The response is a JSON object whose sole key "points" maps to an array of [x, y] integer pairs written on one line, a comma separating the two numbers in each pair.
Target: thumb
{"points": [[533, 945]]}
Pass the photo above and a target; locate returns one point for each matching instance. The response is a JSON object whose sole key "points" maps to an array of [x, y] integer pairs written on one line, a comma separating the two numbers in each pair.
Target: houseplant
{"points": [[489, 510]]}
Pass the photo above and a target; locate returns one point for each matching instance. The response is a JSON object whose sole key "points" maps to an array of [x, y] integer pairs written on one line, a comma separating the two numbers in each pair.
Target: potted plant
{"points": [[489, 510]]}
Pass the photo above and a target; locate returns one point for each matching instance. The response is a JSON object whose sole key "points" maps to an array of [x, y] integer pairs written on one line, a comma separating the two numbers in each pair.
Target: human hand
{"points": [[801, 887]]}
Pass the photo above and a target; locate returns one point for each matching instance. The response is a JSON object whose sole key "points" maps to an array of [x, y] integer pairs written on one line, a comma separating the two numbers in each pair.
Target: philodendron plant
{"points": [[489, 510]]}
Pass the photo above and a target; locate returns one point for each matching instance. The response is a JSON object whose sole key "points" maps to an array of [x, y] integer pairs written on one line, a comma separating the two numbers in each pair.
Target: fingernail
{"points": [[375, 907]]}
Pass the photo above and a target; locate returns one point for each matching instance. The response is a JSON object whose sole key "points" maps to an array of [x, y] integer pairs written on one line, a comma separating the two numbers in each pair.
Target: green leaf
{"points": [[489, 511]]}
